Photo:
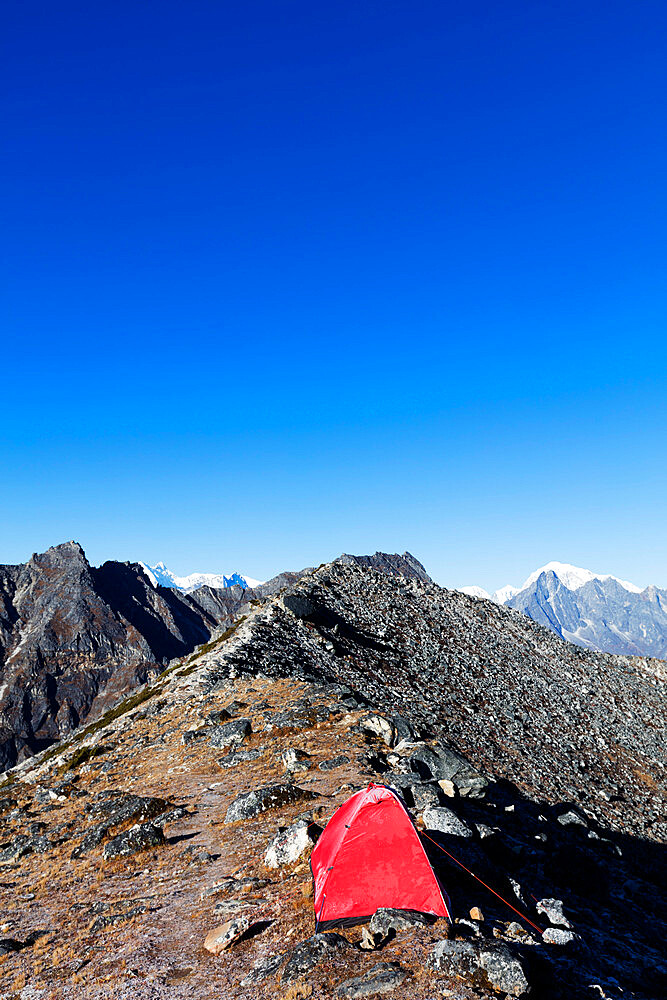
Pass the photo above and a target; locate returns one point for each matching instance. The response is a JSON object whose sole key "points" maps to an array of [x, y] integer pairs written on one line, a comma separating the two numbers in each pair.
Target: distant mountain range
{"points": [[594, 610], [160, 576]]}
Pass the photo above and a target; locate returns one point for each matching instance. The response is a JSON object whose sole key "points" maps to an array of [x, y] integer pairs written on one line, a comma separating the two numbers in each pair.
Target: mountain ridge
{"points": [[597, 611]]}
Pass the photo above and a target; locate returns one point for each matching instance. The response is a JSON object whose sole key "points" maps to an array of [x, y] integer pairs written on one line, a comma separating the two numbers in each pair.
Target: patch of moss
{"points": [[208, 646], [82, 756]]}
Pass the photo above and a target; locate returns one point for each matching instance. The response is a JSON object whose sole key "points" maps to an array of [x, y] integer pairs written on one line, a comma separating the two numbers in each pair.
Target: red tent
{"points": [[370, 856]]}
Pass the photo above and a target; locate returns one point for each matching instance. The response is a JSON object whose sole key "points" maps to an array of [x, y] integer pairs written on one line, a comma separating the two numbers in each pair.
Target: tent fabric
{"points": [[370, 856]]}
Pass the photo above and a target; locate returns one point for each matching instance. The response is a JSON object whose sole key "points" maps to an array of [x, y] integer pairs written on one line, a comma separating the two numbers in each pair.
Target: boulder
{"points": [[553, 911], [224, 936], [253, 803], [308, 953], [137, 838], [382, 978], [424, 795], [455, 957], [288, 845], [230, 734], [504, 971], [445, 820]]}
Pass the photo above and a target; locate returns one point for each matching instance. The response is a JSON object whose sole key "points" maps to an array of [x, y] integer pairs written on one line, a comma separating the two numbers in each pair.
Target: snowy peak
{"points": [[572, 577], [596, 610], [160, 576]]}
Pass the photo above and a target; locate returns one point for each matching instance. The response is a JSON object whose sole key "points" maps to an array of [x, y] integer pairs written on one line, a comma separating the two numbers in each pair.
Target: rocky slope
{"points": [[535, 763], [74, 639]]}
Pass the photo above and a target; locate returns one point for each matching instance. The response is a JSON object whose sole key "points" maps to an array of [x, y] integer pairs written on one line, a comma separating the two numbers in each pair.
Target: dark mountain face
{"points": [[74, 638]]}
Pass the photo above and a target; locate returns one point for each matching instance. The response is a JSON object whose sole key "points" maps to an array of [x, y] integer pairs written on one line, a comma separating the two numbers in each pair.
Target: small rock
{"points": [[553, 911], [230, 734], [504, 971], [377, 725], [311, 951], [571, 818], [424, 796], [236, 757], [385, 920], [288, 845], [445, 820], [253, 803], [223, 937], [295, 760], [262, 969], [558, 935], [448, 787], [382, 978], [476, 913], [334, 762], [137, 838]]}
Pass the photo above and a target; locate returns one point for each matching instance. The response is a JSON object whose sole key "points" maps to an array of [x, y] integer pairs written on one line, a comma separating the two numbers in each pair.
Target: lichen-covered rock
{"points": [[382, 978], [223, 937], [386, 920], [445, 820], [288, 845], [262, 969], [553, 911], [425, 795], [230, 734], [377, 725], [308, 953], [137, 838], [236, 757], [457, 957], [333, 762], [253, 803], [558, 935], [294, 759], [504, 971]]}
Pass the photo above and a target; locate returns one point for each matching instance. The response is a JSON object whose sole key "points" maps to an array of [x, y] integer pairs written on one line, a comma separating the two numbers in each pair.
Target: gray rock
{"points": [[308, 953], [137, 838], [230, 734], [334, 762], [571, 818], [223, 937], [553, 911], [445, 820], [504, 971], [262, 969], [386, 920], [425, 796], [288, 845], [457, 957], [558, 935], [382, 978], [295, 760], [377, 725], [253, 803], [236, 757]]}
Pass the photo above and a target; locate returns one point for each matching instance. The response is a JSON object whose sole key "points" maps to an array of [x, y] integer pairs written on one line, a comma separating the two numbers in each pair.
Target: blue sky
{"points": [[285, 279]]}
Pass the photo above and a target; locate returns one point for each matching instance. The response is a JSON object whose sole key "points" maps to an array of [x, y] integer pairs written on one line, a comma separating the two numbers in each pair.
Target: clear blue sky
{"points": [[283, 279]]}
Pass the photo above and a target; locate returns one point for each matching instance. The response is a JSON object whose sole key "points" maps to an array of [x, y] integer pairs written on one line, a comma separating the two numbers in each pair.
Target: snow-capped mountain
{"points": [[160, 576], [596, 610]]}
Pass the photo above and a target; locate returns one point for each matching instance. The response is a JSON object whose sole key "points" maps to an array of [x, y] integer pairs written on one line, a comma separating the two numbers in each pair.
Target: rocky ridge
{"points": [[75, 638], [184, 845]]}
